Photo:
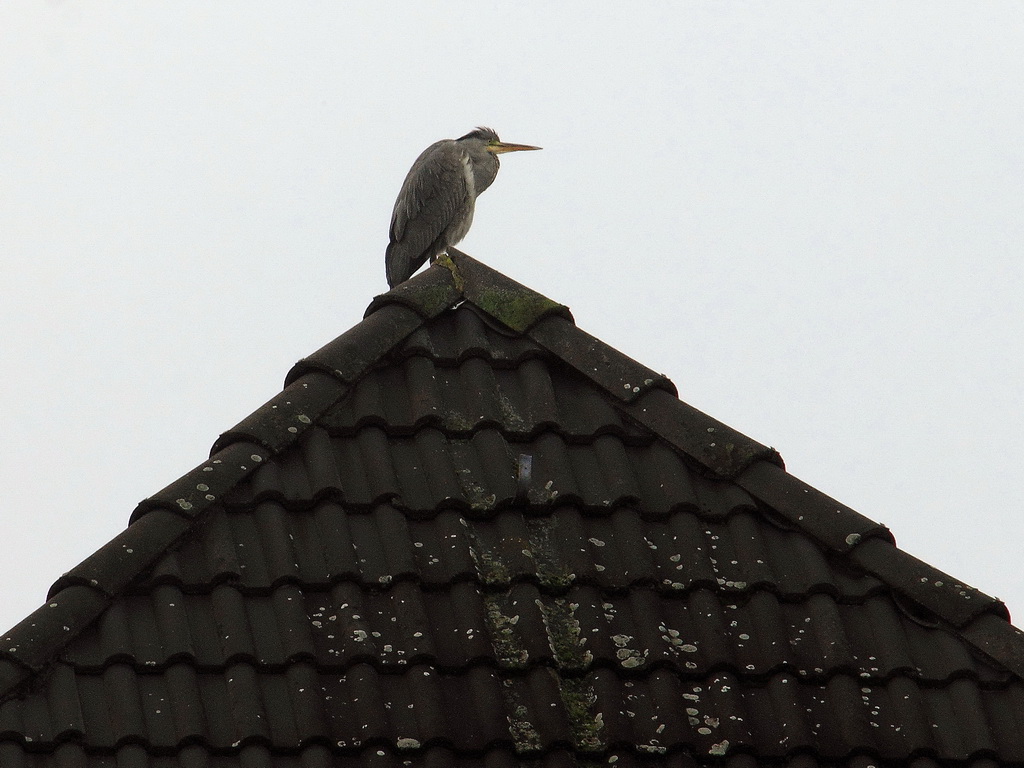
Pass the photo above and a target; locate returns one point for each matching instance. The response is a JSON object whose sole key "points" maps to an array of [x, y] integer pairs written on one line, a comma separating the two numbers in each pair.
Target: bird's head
{"points": [[491, 143]]}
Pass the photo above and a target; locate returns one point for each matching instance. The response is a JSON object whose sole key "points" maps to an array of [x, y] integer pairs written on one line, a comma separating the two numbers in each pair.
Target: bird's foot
{"points": [[446, 261]]}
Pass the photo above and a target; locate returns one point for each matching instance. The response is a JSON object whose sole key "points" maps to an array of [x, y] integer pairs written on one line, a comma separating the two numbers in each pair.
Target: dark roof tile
{"points": [[429, 294], [693, 633], [478, 708], [255, 755], [321, 543], [998, 640], [713, 445], [936, 591], [349, 356], [204, 486], [464, 396], [614, 372], [134, 550], [286, 415], [486, 470], [35, 641], [833, 524]]}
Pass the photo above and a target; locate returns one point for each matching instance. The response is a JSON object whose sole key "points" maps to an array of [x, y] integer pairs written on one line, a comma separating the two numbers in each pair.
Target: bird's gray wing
{"points": [[434, 193]]}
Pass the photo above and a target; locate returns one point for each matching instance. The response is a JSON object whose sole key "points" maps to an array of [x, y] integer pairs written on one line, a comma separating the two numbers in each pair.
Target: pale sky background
{"points": [[808, 215]]}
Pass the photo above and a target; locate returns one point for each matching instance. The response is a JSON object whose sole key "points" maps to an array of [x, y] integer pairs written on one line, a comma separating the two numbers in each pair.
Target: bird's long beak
{"points": [[501, 147]]}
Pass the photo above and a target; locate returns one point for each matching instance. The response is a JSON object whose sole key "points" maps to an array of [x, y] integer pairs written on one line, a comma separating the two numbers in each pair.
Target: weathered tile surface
{"points": [[475, 557]]}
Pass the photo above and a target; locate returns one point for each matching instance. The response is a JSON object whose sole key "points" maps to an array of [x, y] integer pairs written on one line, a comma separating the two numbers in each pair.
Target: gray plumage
{"points": [[435, 207]]}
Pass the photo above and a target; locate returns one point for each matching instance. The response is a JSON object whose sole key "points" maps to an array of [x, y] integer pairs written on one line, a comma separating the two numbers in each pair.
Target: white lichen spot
{"points": [[184, 504], [853, 538], [633, 659], [407, 743], [304, 419], [652, 747], [720, 748]]}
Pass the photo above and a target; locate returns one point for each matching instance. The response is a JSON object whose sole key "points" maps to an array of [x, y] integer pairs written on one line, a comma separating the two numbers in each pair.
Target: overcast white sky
{"points": [[808, 215]]}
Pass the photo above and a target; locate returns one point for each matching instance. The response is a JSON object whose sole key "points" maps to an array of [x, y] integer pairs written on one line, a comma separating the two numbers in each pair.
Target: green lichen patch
{"points": [[518, 309], [565, 634], [524, 734], [490, 568], [551, 572], [501, 628], [578, 697], [446, 261]]}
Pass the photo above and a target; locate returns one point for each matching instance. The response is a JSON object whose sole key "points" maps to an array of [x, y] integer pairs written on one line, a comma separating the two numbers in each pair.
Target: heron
{"points": [[435, 207]]}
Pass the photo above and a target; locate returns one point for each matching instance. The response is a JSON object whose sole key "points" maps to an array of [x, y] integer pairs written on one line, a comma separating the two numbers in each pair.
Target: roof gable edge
{"points": [[999, 640], [34, 642], [348, 356]]}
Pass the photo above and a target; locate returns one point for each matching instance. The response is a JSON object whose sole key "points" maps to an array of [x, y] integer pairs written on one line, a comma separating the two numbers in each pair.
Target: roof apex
{"points": [[455, 277]]}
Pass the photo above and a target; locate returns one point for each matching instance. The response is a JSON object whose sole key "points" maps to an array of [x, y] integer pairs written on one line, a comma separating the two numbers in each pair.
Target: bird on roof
{"points": [[435, 207]]}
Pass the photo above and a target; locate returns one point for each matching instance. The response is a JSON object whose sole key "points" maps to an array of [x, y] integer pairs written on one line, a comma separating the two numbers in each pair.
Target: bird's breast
{"points": [[467, 170]]}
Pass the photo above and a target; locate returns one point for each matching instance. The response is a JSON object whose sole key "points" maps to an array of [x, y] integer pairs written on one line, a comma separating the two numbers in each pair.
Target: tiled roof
{"points": [[469, 534]]}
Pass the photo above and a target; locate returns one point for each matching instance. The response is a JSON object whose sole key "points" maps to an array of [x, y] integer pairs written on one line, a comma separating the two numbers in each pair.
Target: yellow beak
{"points": [[501, 147]]}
